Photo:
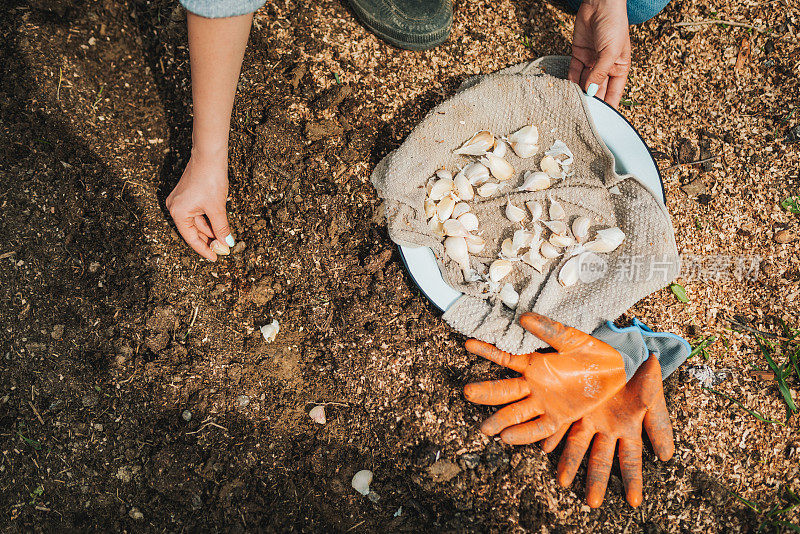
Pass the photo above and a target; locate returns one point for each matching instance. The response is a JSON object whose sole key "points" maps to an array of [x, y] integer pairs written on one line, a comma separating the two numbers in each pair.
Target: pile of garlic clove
{"points": [[450, 217]]}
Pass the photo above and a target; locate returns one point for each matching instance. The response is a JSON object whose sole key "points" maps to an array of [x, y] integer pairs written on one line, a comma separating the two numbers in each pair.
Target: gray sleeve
{"points": [[637, 342], [215, 9]]}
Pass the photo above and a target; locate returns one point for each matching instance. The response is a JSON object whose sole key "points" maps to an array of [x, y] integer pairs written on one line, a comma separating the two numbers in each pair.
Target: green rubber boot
{"points": [[409, 24]]}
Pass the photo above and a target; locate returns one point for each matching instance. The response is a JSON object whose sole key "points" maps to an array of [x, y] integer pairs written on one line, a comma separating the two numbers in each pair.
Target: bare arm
{"points": [[197, 204]]}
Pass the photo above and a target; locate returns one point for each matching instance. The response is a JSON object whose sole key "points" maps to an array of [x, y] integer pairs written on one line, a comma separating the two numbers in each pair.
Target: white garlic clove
{"points": [[557, 227], [488, 189], [547, 250], [561, 153], [475, 244], [525, 150], [477, 173], [500, 168], [444, 173], [436, 227], [220, 248], [550, 166], [536, 210], [317, 414], [556, 210], [499, 269], [444, 209], [430, 208], [606, 240], [477, 145], [361, 481], [522, 239], [514, 213], [469, 221], [500, 149], [534, 259], [270, 331], [527, 134], [570, 271], [454, 228], [460, 209], [535, 181], [462, 187], [441, 188], [561, 241], [456, 249], [507, 249], [580, 228], [509, 296]]}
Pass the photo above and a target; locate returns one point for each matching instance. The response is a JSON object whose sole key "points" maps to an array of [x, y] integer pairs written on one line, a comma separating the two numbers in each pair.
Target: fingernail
{"points": [[592, 89], [229, 240]]}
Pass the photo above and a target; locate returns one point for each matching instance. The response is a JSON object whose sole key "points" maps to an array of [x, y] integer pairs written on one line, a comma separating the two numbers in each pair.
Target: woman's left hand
{"points": [[601, 49]]}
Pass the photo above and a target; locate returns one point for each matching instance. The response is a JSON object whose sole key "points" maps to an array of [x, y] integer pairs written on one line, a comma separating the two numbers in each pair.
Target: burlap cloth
{"points": [[502, 103]]}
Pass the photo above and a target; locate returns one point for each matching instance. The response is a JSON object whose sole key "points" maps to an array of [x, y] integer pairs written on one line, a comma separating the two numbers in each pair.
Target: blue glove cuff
{"points": [[637, 342]]}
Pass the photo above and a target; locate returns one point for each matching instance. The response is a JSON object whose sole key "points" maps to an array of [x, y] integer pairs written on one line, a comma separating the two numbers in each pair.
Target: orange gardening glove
{"points": [[640, 402], [555, 388]]}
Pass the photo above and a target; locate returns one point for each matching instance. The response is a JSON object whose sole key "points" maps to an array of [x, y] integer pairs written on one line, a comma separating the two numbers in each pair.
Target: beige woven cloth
{"points": [[502, 103]]}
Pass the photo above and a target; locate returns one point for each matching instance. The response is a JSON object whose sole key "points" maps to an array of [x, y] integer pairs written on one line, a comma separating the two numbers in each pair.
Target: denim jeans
{"points": [[638, 10]]}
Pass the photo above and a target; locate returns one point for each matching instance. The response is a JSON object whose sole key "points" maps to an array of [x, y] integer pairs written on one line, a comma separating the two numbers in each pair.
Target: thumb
{"points": [[599, 73], [219, 223]]}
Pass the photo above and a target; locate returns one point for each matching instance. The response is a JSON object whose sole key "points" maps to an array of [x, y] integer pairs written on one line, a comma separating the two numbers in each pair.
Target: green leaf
{"points": [[791, 204], [700, 348], [779, 375], [745, 408], [679, 291]]}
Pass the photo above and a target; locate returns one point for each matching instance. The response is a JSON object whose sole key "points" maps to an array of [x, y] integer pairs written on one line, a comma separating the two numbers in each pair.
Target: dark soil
{"points": [[115, 332]]}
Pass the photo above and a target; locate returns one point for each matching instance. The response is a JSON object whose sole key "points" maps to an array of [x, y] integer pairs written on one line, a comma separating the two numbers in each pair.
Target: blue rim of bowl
{"points": [[658, 171]]}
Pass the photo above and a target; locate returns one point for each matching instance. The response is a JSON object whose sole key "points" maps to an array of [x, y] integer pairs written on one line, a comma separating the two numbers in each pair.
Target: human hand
{"points": [[555, 388], [601, 49], [197, 204], [640, 403]]}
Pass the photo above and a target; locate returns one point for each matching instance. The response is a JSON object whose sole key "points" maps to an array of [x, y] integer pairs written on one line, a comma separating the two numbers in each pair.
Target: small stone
{"points": [[243, 400], [324, 129], [134, 513], [90, 399], [58, 331], [186, 415], [471, 460], [94, 267], [784, 236], [92, 41], [694, 188], [239, 247], [443, 470]]}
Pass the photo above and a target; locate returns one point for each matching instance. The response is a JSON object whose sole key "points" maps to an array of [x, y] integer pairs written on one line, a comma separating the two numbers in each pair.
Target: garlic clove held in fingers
{"points": [[499, 269], [477, 145], [456, 249], [500, 168], [220, 248], [509, 296], [514, 213], [606, 240]]}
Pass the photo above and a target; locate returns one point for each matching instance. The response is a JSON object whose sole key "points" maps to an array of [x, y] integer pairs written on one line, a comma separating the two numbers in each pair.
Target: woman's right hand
{"points": [[197, 204]]}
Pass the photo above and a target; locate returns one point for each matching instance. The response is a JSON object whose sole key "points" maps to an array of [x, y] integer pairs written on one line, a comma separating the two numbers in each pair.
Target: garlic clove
{"points": [[500, 168], [550, 166], [557, 227], [444, 209], [499, 269], [220, 248], [507, 249], [270, 331], [561, 241], [525, 150], [469, 220], [535, 181], [436, 227], [509, 296], [500, 149], [534, 259], [444, 174], [535, 208], [361, 481], [570, 271], [460, 209], [580, 228], [456, 249], [514, 213], [606, 240], [488, 189], [475, 244], [547, 250], [441, 188], [522, 239], [317, 414], [430, 208], [454, 228], [527, 134], [477, 145], [556, 210], [477, 173], [462, 187], [561, 153]]}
